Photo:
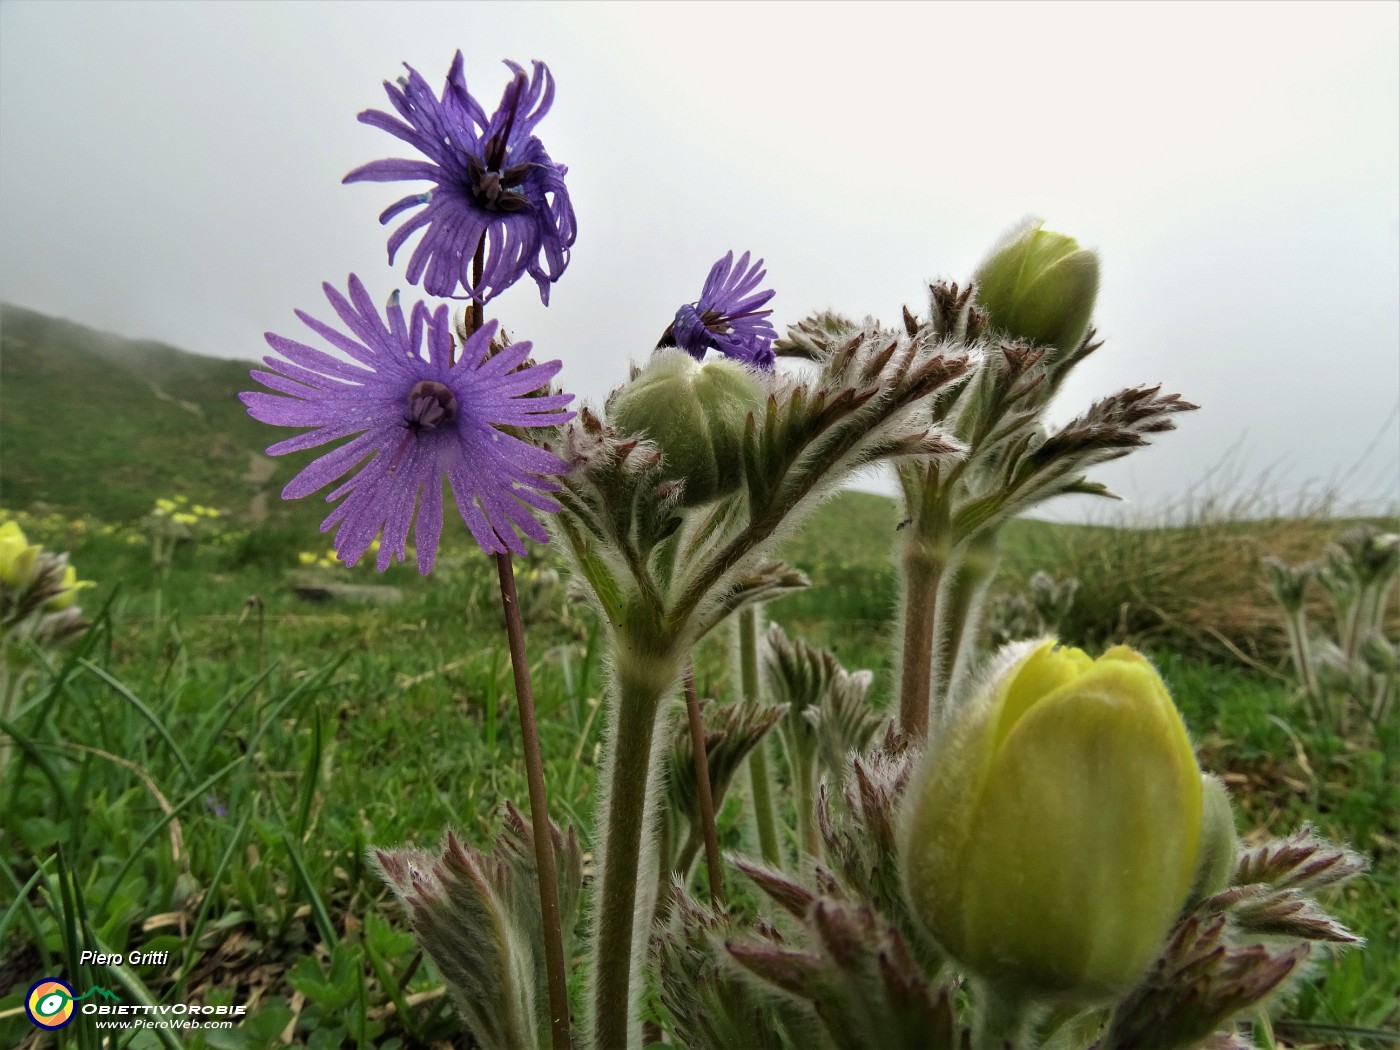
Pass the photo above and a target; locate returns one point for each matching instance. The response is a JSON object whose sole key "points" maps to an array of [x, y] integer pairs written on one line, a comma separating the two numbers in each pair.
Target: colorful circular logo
{"points": [[50, 1003]]}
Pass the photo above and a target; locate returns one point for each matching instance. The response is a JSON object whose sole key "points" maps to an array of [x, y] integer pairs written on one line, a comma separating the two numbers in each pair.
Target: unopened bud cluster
{"points": [[1040, 287], [38, 591], [696, 414], [1352, 666]]}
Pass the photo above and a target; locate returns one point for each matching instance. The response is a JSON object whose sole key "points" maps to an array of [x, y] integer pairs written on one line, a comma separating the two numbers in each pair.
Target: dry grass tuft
{"points": [[1191, 578]]}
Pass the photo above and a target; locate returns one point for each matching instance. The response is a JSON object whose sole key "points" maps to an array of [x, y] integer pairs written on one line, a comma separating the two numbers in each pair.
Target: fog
{"points": [[172, 171]]}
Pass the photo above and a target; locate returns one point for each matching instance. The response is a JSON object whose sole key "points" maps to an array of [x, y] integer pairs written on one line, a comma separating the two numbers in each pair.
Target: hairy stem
{"points": [[1296, 626], [804, 780], [686, 858], [539, 810], [702, 787], [1349, 627], [642, 679], [924, 567], [958, 616], [759, 782]]}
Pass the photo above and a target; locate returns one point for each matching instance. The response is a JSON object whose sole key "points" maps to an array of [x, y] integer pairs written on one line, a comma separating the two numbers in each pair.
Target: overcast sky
{"points": [[172, 171]]}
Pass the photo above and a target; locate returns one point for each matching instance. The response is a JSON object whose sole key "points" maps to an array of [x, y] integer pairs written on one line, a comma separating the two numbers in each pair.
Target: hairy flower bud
{"points": [[17, 557], [1220, 843], [1040, 286], [68, 587], [695, 413], [1052, 834]]}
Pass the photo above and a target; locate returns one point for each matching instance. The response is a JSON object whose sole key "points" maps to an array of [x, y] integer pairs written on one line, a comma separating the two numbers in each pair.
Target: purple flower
{"points": [[494, 184], [727, 318], [417, 420]]}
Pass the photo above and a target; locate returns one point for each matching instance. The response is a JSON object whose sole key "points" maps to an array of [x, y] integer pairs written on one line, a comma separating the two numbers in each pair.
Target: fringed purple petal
{"points": [[391, 469], [727, 316], [313, 360], [332, 466], [282, 384], [314, 438], [508, 360], [404, 232], [392, 170], [429, 524], [494, 180]]}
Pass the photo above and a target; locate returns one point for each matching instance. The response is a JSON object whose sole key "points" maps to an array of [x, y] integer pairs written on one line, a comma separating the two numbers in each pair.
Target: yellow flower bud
{"points": [[1052, 833], [696, 414], [1040, 286], [68, 593], [17, 557]]}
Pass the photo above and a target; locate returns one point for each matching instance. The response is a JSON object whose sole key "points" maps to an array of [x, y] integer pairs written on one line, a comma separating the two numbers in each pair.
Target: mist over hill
{"points": [[92, 423]]}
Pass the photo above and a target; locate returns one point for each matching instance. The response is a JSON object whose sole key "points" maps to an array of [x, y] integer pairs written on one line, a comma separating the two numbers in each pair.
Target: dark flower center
{"points": [[494, 189], [715, 322], [492, 184], [430, 404]]}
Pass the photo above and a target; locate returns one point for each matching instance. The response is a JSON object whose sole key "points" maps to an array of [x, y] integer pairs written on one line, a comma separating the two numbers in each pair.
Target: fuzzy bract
{"points": [[413, 420], [493, 184]]}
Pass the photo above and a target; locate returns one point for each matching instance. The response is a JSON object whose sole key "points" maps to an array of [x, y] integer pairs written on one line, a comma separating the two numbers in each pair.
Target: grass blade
{"points": [[159, 826], [197, 930], [310, 779], [41, 760], [319, 913], [150, 716], [21, 906]]}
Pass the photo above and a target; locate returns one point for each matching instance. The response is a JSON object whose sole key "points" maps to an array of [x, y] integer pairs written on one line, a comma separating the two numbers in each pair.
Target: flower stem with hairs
{"points": [[702, 786], [534, 769], [759, 781], [644, 676], [925, 560], [958, 615], [539, 809]]}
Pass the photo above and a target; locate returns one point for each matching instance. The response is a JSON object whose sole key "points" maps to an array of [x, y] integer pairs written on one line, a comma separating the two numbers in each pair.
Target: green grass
{"points": [[202, 806], [185, 781], [206, 769], [99, 425]]}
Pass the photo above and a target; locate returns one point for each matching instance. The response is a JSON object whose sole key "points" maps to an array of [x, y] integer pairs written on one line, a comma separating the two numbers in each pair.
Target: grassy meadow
{"points": [[205, 770]]}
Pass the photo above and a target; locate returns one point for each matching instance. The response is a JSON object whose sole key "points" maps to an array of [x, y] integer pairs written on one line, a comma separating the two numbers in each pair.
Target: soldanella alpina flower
{"points": [[494, 185], [418, 419], [1040, 286], [695, 414], [728, 316], [1053, 831]]}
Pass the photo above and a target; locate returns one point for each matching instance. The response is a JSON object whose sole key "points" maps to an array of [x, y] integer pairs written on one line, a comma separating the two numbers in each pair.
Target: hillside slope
{"points": [[91, 423]]}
